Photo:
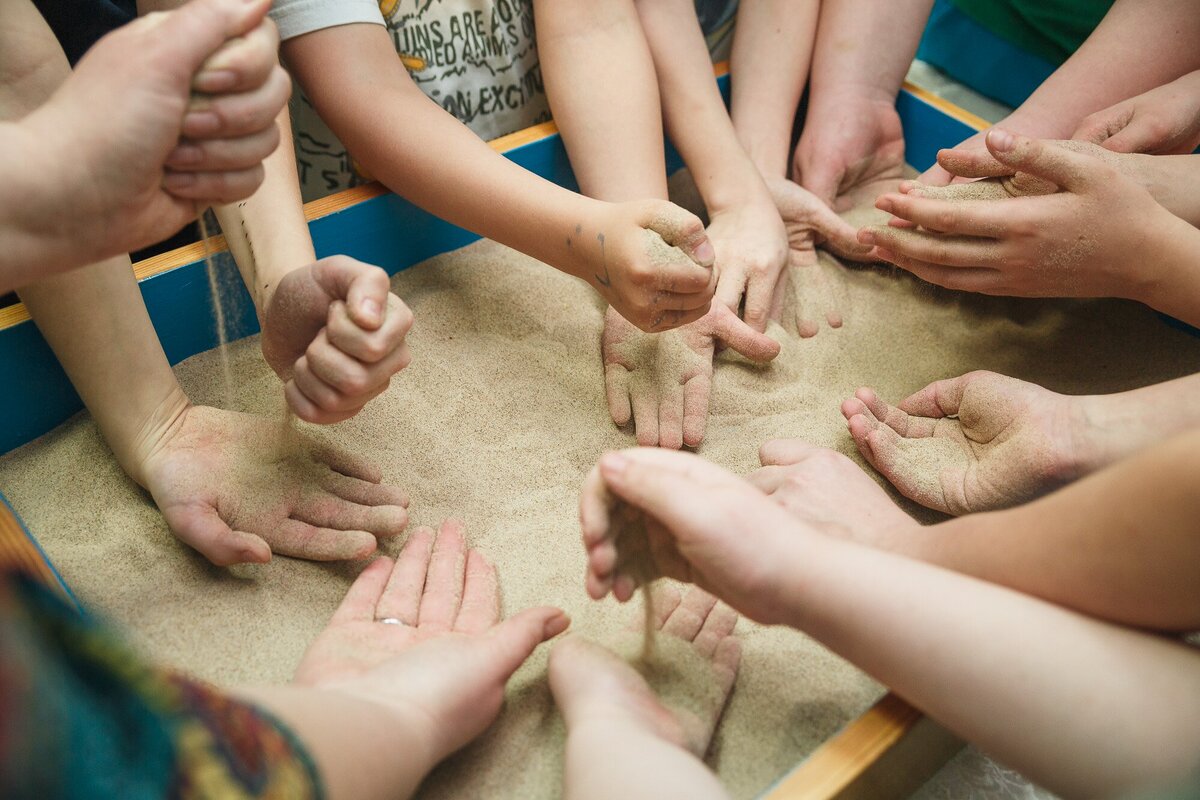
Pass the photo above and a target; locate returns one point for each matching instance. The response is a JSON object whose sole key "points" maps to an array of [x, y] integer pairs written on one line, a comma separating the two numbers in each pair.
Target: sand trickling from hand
{"points": [[627, 528], [497, 421]]}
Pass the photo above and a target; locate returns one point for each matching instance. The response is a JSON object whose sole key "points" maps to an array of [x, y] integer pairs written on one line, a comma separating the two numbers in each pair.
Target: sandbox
{"points": [[496, 422]]}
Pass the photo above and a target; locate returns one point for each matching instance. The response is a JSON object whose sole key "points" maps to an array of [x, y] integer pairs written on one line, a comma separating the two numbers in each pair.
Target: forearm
{"points": [[863, 51], [772, 52], [600, 80], [96, 322], [695, 115], [1120, 544], [1173, 181], [1137, 46], [362, 750], [1040, 688], [421, 152], [1168, 276], [267, 233]]}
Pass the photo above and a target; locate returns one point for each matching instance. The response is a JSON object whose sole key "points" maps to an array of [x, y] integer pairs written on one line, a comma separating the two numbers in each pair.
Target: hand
{"points": [[851, 141], [1163, 121], [810, 222], [236, 488], [704, 525], [828, 491], [752, 249], [170, 111], [651, 261], [335, 334], [1073, 243], [664, 380], [446, 663]]}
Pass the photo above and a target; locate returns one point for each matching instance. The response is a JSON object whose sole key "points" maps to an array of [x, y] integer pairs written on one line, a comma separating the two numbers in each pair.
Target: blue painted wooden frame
{"points": [[384, 230]]}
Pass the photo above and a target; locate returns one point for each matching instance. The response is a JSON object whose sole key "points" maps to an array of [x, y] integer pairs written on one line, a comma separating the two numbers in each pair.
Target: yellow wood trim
{"points": [[18, 552], [948, 108], [840, 767]]}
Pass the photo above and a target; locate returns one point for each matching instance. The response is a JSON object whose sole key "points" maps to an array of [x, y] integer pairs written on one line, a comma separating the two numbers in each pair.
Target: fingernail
{"points": [[199, 123], [866, 237], [371, 310], [705, 254], [613, 465], [884, 204], [1001, 139], [215, 80]]}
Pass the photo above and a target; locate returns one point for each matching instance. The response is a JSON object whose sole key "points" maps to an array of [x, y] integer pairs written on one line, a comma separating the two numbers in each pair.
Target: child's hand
{"points": [[809, 222], [651, 261], [752, 250], [1078, 242], [445, 662], [336, 334], [235, 488], [663, 381], [1163, 121]]}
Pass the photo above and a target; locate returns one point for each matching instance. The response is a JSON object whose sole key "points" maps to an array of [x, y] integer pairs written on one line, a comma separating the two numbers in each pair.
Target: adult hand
{"points": [[1073, 243], [169, 112], [237, 488], [704, 524], [652, 262], [335, 333], [1163, 121], [663, 381], [446, 659], [850, 141], [752, 250]]}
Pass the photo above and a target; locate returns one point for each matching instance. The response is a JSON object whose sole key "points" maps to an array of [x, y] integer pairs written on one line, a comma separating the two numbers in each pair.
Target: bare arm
{"points": [[772, 51]]}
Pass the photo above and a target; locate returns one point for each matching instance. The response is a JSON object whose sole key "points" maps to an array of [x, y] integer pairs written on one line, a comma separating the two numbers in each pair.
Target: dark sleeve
{"points": [[82, 716], [79, 23]]}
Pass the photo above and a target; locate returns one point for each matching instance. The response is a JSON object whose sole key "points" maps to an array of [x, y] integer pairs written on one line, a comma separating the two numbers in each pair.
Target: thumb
{"points": [[679, 228], [364, 287], [967, 163], [730, 329], [1041, 158], [516, 637], [202, 528], [198, 29]]}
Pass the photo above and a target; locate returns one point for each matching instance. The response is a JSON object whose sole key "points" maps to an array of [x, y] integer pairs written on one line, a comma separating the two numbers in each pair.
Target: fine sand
{"points": [[496, 421]]}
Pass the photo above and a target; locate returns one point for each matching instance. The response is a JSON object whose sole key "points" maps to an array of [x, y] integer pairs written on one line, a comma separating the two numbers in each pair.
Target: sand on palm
{"points": [[497, 421]]}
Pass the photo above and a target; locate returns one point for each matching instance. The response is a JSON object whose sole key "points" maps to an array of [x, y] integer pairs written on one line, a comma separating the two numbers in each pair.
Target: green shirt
{"points": [[1051, 29]]}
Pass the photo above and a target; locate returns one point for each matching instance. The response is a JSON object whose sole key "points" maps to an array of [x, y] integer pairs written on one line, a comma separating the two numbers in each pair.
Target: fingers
{"points": [[616, 390], [363, 492], [759, 294], [696, 396], [823, 178], [198, 29], [348, 464], [331, 511], [401, 598], [445, 579], [905, 463], [224, 116], [741, 337], [516, 637], [1097, 128], [364, 287], [1070, 170], [688, 617], [961, 279], [241, 63], [224, 155], [970, 163], [679, 228], [594, 517], [949, 250], [935, 175], [361, 600], [670, 415], [645, 414], [301, 539], [481, 596], [865, 400], [370, 345], [335, 381], [718, 626], [214, 188], [938, 399], [201, 527]]}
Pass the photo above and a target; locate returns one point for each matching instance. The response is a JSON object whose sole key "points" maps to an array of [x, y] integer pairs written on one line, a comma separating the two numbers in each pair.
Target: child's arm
{"points": [[1162, 121], [1039, 687], [747, 232], [362, 90], [772, 51]]}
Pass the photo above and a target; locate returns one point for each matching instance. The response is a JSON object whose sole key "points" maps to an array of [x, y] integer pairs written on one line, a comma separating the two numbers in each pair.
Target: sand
{"points": [[497, 421]]}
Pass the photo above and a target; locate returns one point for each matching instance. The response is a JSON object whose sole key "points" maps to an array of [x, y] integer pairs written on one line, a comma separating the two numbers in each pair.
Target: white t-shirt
{"points": [[475, 58]]}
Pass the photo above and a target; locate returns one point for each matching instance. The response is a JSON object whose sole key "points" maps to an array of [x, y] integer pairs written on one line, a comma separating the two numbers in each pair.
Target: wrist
{"points": [[137, 450], [736, 188], [1171, 284]]}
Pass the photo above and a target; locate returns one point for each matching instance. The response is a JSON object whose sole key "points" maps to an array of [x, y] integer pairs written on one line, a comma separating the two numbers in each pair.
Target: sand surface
{"points": [[497, 421]]}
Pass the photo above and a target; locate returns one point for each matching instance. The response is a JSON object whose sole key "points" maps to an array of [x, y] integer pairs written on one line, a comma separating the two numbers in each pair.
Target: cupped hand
{"points": [[663, 381], [850, 141], [704, 525], [651, 260], [1162, 121], [239, 487], [335, 333], [170, 111], [444, 655], [751, 244], [1072, 243]]}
